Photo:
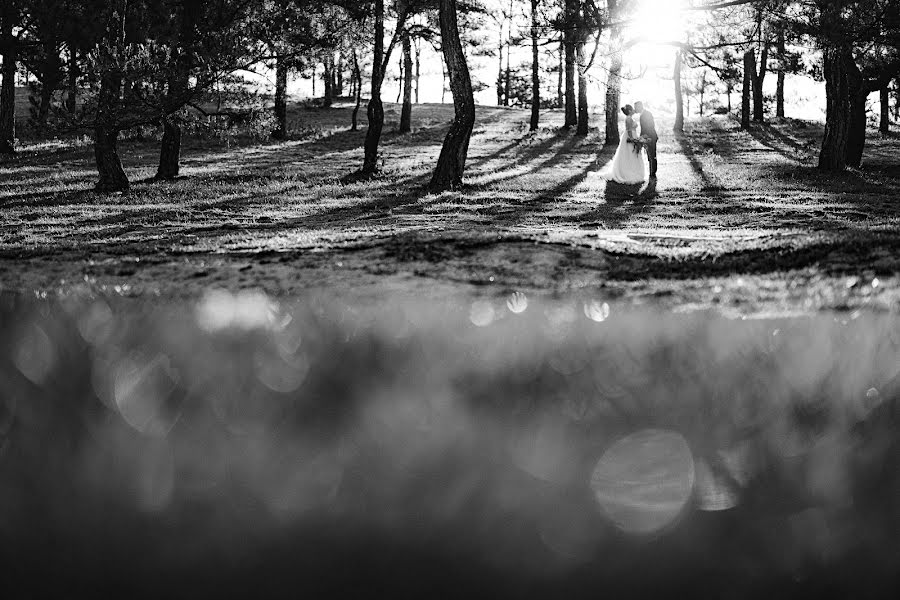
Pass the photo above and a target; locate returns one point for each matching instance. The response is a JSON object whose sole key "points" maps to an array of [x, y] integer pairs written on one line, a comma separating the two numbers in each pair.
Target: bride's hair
{"points": [[627, 109]]}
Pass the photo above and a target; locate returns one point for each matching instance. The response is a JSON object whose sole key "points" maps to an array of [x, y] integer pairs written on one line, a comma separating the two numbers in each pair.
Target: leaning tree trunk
{"points": [[375, 110], [535, 70], [582, 128], [569, 45], [8, 94], [779, 87], [614, 89], [106, 132], [749, 68], [833, 156], [679, 94], [452, 161], [281, 72], [884, 125], [357, 85], [406, 110]]}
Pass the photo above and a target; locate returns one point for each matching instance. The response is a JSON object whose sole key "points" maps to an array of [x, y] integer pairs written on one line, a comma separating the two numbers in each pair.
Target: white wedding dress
{"points": [[627, 166]]}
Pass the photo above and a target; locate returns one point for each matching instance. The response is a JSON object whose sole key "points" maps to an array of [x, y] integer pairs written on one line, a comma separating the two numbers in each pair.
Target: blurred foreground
{"points": [[239, 445]]}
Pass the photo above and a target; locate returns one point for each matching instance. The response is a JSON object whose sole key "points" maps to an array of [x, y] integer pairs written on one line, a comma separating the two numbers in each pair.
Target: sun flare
{"points": [[652, 27], [656, 22]]}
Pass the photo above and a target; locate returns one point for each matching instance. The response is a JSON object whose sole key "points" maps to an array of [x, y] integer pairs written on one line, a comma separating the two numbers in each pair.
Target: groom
{"points": [[648, 130]]}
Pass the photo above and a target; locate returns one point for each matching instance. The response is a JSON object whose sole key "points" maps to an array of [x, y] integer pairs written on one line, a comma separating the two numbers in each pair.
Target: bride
{"points": [[627, 165]]}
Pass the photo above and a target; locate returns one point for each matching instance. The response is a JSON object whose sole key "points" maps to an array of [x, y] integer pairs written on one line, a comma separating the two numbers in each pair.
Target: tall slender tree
{"points": [[452, 161]]}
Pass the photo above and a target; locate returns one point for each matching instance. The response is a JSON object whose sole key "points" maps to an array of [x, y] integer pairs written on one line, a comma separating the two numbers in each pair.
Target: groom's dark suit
{"points": [[648, 128]]}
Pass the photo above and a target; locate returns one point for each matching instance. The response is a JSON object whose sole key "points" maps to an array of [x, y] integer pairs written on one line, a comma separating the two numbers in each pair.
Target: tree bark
{"points": [[560, 85], [758, 78], [72, 73], [176, 96], [679, 94], [281, 72], [357, 79], [833, 156], [897, 99], [884, 126], [418, 71], [375, 109], [51, 80], [749, 69], [570, 23], [112, 176], [328, 99], [535, 70], [452, 161], [613, 85], [500, 67], [507, 77], [779, 87], [406, 111], [583, 124], [856, 135], [8, 92], [339, 75]]}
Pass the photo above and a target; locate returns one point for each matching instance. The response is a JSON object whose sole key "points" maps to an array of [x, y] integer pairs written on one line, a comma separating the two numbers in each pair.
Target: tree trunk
{"points": [[583, 124], [281, 72], [897, 99], [8, 94], [176, 96], [758, 78], [357, 79], [328, 77], [614, 88], [833, 156], [571, 8], [507, 78], [406, 111], [51, 80], [728, 91], [884, 97], [560, 86], [418, 71], [169, 151], [452, 161], [375, 110], [856, 134], [679, 94], [339, 75], [535, 70], [109, 166], [500, 68], [72, 73], [749, 69], [779, 88]]}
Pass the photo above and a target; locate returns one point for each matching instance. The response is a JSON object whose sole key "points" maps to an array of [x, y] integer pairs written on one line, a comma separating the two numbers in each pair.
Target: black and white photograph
{"points": [[526, 299]]}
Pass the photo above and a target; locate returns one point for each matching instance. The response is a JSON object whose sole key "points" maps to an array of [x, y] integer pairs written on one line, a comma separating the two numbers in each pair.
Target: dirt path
{"points": [[737, 220]]}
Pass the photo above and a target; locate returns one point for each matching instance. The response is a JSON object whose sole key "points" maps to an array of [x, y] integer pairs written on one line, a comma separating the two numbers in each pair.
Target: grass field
{"points": [[738, 220]]}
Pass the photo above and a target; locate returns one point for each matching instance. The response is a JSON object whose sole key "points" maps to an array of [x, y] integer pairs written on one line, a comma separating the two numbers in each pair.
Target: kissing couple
{"points": [[627, 165]]}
